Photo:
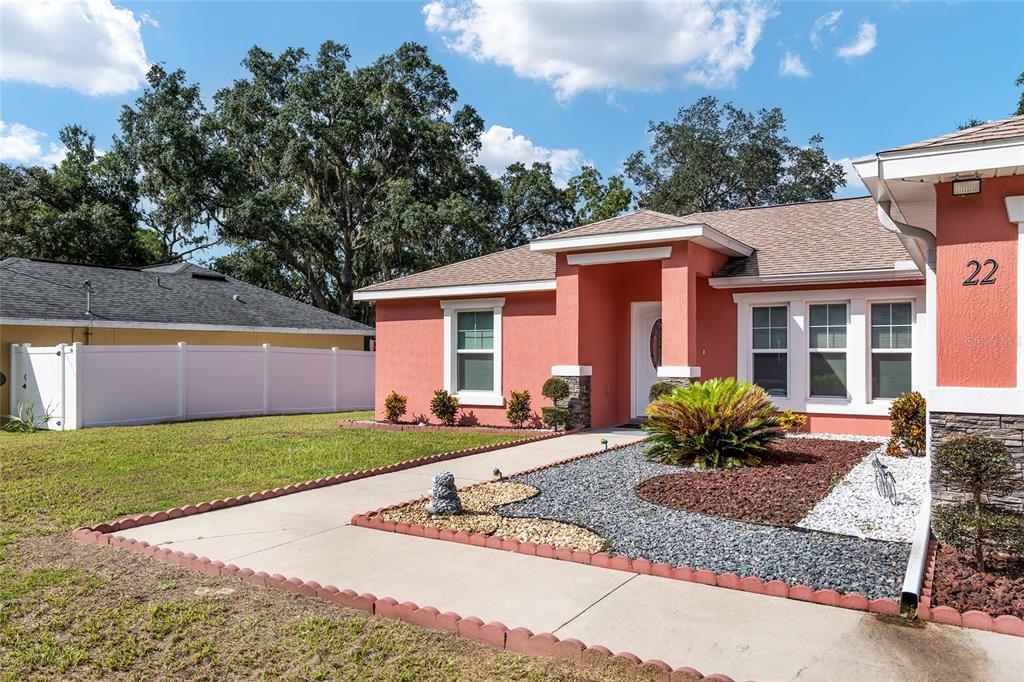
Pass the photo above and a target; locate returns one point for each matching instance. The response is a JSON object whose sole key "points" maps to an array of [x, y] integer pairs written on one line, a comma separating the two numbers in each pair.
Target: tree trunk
{"points": [[979, 534]]}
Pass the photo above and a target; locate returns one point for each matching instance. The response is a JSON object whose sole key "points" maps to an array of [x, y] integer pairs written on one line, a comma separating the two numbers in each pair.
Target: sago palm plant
{"points": [[719, 423]]}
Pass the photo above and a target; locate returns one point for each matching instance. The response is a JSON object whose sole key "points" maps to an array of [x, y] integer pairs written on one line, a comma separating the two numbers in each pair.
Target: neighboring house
{"points": [[46, 303], [831, 306]]}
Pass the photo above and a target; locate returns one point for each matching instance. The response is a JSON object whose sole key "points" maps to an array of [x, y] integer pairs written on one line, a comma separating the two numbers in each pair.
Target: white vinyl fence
{"points": [[78, 386]]}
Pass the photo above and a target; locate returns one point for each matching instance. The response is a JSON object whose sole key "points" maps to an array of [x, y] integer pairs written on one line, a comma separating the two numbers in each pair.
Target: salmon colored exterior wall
{"points": [[586, 321], [410, 352], [976, 325]]}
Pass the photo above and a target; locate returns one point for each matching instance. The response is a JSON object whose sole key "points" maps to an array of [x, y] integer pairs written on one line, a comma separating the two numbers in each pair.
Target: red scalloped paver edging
{"points": [[979, 620], [127, 522], [493, 634], [771, 588]]}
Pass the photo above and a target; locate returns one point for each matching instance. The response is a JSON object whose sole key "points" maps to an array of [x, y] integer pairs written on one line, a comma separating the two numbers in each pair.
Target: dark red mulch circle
{"points": [[998, 591], [794, 476]]}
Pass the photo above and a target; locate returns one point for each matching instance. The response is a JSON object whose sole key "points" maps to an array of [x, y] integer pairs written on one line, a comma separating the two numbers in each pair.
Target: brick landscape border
{"points": [[388, 426], [979, 620], [493, 634], [1005, 624], [132, 521]]}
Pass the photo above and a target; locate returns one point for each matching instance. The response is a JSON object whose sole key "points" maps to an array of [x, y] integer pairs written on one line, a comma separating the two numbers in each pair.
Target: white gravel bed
{"points": [[854, 507], [840, 436]]}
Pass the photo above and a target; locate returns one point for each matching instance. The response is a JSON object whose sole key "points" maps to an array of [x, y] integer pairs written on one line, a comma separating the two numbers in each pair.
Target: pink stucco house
{"points": [[835, 307]]}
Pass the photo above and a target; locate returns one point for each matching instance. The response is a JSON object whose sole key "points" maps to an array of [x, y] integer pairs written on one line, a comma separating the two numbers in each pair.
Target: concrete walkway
{"points": [[743, 635]]}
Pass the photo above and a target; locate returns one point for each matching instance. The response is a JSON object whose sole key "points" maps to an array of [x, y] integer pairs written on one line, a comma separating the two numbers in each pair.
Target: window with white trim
{"points": [[474, 367], [472, 348], [770, 349], [891, 344], [827, 350]]}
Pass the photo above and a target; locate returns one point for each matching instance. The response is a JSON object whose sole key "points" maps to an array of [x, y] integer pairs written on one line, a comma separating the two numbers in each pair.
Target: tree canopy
{"points": [[714, 156]]}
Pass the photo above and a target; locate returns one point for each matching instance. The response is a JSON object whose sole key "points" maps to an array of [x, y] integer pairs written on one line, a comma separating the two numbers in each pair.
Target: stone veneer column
{"points": [[578, 401], [1006, 428]]}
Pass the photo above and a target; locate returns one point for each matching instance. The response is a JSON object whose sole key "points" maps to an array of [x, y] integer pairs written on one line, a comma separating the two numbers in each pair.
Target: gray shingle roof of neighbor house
{"points": [[173, 295], [1005, 129], [812, 237]]}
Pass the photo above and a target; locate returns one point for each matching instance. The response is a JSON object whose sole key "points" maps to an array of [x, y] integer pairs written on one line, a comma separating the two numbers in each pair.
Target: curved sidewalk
{"points": [[743, 635]]}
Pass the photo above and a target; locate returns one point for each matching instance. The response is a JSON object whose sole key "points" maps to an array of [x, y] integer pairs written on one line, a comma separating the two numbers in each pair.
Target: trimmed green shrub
{"points": [[556, 418], [980, 466], [555, 388], [959, 526], [444, 406], [907, 416], [660, 388], [792, 421], [395, 406], [717, 423], [518, 410]]}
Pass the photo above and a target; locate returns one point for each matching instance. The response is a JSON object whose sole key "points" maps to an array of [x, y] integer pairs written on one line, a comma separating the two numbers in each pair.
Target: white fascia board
{"points": [[457, 290], [834, 277], [115, 324], [867, 168], [622, 256], [952, 160], [702, 234]]}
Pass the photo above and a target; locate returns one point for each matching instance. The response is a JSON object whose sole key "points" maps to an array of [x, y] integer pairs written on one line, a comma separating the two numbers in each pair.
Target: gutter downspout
{"points": [[913, 579]]}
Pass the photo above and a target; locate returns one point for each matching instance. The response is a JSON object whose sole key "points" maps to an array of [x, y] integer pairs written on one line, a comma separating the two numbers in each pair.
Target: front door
{"points": [[646, 351]]}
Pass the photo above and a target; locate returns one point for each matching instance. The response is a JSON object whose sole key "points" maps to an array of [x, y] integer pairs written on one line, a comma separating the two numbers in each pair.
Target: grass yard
{"points": [[69, 610]]}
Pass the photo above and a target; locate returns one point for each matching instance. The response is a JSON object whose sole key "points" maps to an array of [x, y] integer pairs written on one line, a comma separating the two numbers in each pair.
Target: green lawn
{"points": [[56, 481], [74, 611]]}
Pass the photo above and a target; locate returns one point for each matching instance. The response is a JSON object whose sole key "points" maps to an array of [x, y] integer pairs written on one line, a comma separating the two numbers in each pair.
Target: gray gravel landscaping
{"points": [[597, 493]]}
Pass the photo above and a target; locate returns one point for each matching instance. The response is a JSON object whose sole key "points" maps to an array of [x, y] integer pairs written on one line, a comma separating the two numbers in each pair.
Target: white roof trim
{"points": [[456, 290], [938, 164], [623, 256], [117, 324], [702, 234], [881, 275]]}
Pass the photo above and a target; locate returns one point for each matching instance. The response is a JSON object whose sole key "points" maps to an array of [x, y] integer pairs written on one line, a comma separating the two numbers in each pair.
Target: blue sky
{"points": [[570, 84]]}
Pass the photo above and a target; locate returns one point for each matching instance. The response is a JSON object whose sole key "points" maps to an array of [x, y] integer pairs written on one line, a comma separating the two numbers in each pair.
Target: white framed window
{"points": [[769, 361], [472, 350], [826, 342], [892, 342]]}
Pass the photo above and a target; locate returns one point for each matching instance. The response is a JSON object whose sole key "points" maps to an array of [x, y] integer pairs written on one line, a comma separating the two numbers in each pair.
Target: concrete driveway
{"points": [[743, 635]]}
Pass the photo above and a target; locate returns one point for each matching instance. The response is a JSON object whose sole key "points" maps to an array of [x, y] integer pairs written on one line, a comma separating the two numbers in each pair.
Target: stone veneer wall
{"points": [[1008, 429], [578, 401]]}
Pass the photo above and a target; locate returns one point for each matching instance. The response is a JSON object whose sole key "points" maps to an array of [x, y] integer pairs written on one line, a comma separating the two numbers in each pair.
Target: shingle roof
{"points": [[1006, 129], [819, 236], [502, 267], [176, 294], [644, 219]]}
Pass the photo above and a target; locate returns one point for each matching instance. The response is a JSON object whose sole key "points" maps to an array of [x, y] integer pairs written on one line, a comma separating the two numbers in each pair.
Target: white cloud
{"points": [[862, 44], [854, 186], [501, 146], [825, 21], [91, 46], [149, 20], [792, 65], [579, 46], [23, 145]]}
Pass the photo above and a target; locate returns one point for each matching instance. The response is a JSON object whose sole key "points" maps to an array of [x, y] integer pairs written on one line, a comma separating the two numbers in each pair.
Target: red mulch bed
{"points": [[410, 426], [998, 591], [794, 475]]}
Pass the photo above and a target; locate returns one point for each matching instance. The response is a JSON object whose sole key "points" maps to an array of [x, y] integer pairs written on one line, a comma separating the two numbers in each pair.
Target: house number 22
{"points": [[976, 267]]}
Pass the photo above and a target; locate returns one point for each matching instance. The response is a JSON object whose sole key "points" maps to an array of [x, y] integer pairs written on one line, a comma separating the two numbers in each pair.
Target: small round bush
{"points": [[445, 407], [555, 388], [556, 418], [659, 389], [395, 406], [907, 416]]}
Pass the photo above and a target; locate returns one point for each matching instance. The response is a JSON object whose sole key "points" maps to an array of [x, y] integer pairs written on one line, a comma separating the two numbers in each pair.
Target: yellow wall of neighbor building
{"points": [[51, 336]]}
